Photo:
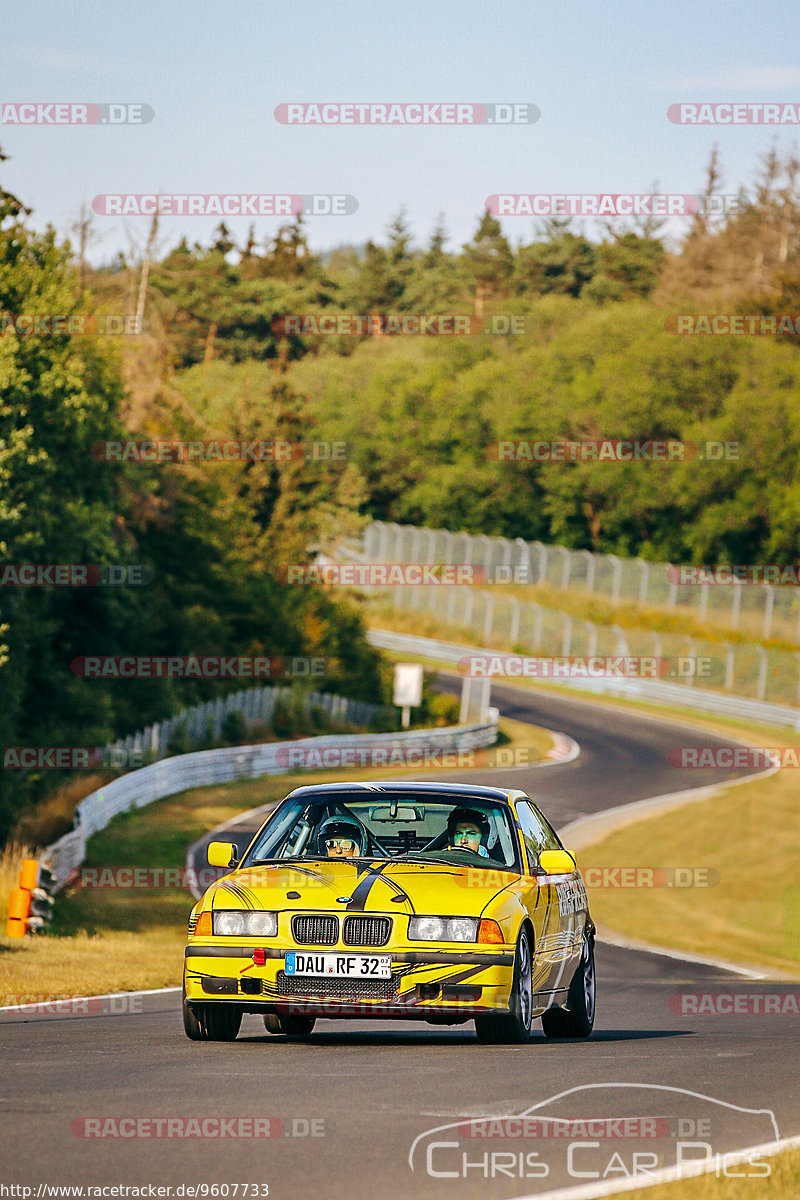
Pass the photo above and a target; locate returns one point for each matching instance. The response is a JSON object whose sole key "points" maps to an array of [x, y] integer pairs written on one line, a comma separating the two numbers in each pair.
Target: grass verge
{"points": [[783, 1183], [747, 838], [118, 939], [740, 851]]}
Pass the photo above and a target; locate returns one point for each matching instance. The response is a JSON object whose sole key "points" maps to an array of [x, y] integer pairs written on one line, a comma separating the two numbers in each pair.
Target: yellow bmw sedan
{"points": [[444, 903]]}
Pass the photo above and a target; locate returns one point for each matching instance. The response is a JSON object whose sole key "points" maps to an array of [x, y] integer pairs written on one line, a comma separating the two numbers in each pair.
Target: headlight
{"points": [[443, 929], [262, 924], [246, 924]]}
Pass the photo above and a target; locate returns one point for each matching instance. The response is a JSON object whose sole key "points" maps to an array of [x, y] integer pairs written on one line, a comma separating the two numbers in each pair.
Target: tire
{"points": [[579, 1020], [292, 1026], [211, 1022], [514, 1027], [192, 1027]]}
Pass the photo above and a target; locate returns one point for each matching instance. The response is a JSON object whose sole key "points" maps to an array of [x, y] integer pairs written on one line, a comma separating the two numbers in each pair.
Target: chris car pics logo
{"points": [[598, 1132]]}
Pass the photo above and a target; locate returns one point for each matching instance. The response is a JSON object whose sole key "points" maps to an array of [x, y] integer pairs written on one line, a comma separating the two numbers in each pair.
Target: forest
{"points": [[565, 336]]}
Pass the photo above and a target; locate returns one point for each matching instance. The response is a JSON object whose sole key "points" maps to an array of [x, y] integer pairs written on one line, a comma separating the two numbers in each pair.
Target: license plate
{"points": [[340, 966]]}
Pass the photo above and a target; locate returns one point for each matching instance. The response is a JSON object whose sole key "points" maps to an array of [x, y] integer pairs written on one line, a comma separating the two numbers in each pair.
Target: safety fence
{"points": [[762, 609], [204, 722], [749, 670]]}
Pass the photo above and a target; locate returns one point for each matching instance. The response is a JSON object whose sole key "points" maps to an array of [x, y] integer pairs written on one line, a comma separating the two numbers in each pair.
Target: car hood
{"points": [[344, 886]]}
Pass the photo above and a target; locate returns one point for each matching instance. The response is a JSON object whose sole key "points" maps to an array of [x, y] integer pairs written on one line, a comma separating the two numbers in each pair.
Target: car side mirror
{"points": [[557, 862], [222, 854]]}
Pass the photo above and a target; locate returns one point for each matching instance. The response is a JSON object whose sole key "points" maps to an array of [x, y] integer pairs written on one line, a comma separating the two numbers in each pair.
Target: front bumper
{"points": [[431, 985]]}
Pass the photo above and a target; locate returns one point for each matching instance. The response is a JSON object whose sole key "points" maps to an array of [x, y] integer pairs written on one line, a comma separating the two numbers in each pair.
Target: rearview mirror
{"points": [[221, 854], [557, 862], [403, 812]]}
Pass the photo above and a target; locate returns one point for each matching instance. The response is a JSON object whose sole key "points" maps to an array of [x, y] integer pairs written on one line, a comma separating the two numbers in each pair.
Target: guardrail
{"points": [[652, 691], [205, 767]]}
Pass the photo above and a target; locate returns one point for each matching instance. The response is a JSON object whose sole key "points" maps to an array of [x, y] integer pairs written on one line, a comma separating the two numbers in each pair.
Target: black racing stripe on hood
{"points": [[371, 876], [243, 894]]}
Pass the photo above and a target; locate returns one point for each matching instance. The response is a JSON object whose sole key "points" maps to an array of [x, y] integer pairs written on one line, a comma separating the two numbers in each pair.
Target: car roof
{"points": [[470, 791]]}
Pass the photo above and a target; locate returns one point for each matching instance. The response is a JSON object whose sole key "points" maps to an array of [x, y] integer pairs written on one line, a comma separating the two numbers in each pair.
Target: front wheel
{"points": [[513, 1027], [211, 1022], [579, 1021]]}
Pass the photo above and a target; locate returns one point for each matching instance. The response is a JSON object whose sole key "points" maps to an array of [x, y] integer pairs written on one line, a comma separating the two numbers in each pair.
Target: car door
{"points": [[559, 902]]}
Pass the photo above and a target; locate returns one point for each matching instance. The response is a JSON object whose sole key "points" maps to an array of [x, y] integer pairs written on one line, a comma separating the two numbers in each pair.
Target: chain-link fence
{"points": [[204, 722], [495, 618], [762, 610]]}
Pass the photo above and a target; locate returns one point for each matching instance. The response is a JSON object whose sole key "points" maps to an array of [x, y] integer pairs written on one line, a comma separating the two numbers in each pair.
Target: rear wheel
{"points": [[579, 1021], [211, 1022], [513, 1027], [292, 1026]]}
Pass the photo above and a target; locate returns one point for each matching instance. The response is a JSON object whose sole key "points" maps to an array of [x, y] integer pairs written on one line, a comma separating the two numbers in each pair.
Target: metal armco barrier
{"points": [[206, 767]]}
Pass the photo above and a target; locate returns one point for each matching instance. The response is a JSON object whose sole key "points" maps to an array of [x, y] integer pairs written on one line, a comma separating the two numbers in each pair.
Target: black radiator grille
{"points": [[315, 931], [342, 989], [367, 931]]}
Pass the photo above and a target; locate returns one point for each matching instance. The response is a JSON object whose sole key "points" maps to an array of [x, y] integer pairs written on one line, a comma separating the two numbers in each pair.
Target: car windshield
{"points": [[389, 824]]}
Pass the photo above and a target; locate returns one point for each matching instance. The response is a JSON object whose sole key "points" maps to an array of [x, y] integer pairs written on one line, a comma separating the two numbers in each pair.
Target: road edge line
{"points": [[589, 1191]]}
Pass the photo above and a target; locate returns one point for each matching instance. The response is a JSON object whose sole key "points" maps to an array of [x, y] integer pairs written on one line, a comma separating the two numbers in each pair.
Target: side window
{"points": [[536, 833]]}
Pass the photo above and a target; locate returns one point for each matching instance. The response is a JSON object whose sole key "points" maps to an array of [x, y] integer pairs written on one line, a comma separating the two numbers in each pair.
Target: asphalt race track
{"points": [[348, 1105]]}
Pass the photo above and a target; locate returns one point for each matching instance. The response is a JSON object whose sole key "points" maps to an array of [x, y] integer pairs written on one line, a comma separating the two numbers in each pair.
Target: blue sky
{"points": [[602, 73]]}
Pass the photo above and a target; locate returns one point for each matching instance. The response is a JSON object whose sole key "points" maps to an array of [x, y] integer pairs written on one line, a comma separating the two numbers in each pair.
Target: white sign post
{"points": [[407, 688]]}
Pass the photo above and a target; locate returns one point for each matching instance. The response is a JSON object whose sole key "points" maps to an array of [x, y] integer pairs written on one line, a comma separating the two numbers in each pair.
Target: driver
{"points": [[340, 838], [468, 829]]}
